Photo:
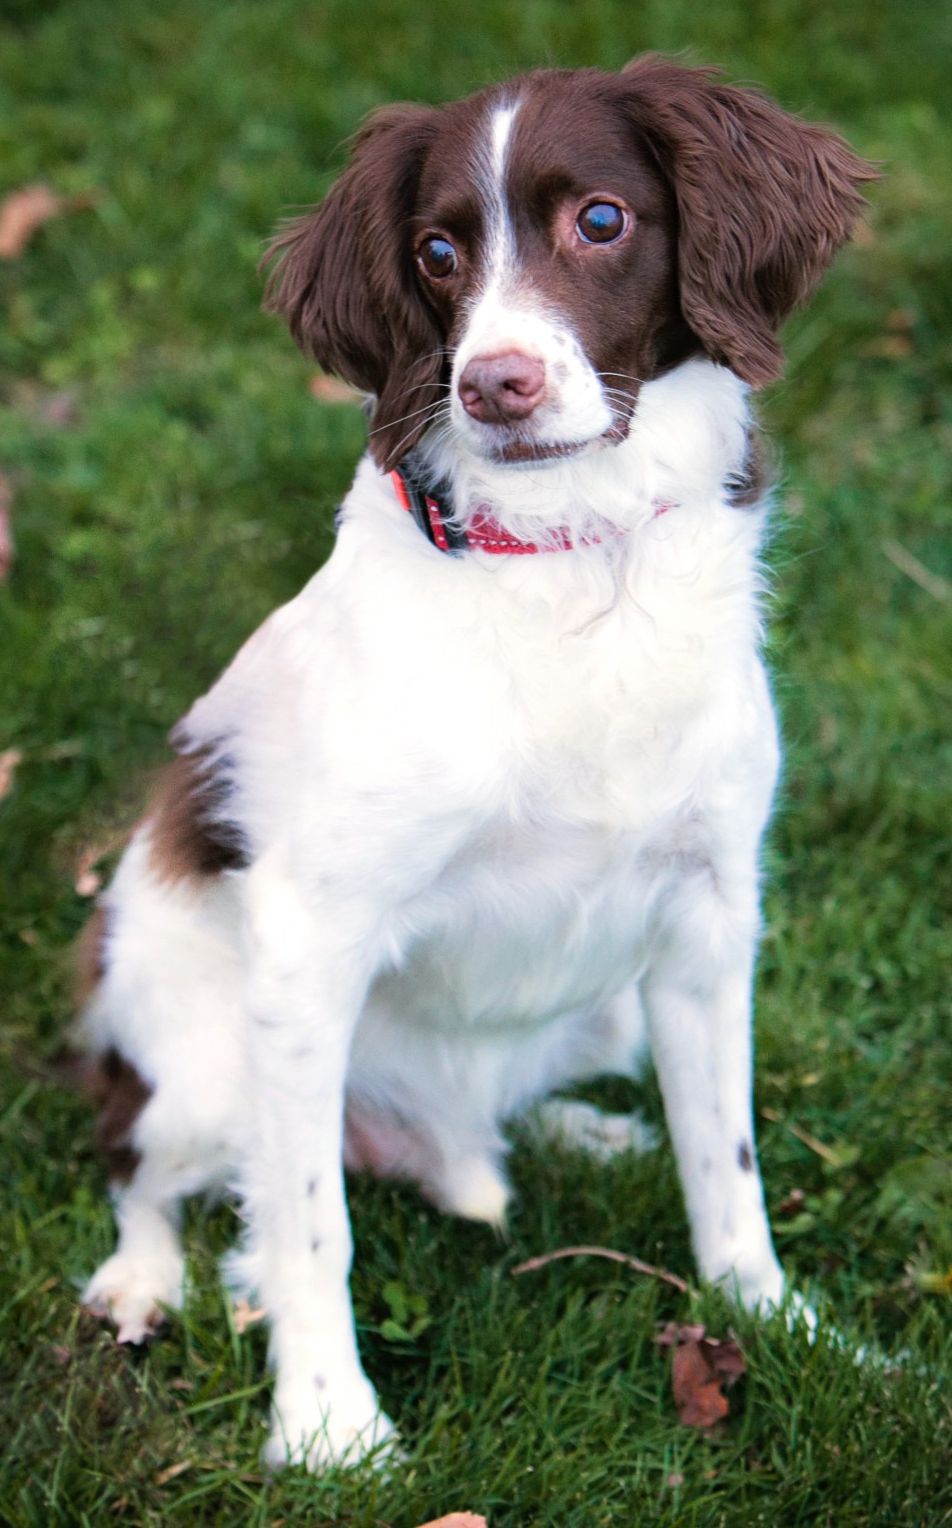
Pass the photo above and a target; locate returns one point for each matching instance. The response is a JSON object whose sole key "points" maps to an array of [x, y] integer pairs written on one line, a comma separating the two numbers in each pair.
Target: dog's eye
{"points": [[601, 223], [438, 257]]}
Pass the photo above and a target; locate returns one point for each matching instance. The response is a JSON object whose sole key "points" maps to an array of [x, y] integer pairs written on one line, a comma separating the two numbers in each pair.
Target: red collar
{"points": [[483, 533]]}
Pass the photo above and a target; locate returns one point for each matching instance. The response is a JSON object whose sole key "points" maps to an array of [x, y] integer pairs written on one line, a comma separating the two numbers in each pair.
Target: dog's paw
{"points": [[475, 1189], [346, 1428], [578, 1126], [752, 1279], [134, 1293]]}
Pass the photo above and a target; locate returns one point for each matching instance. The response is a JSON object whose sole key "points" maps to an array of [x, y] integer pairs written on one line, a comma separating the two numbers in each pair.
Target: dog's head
{"points": [[518, 264]]}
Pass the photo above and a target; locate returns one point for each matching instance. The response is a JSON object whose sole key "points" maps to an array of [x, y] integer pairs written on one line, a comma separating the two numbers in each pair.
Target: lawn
{"points": [[173, 479]]}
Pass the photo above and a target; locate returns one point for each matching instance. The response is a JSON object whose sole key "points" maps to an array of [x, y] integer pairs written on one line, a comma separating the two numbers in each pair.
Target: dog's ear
{"points": [[764, 202], [343, 278]]}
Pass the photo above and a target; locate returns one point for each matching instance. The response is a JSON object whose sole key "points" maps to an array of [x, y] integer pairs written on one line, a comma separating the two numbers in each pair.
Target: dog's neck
{"points": [[688, 438]]}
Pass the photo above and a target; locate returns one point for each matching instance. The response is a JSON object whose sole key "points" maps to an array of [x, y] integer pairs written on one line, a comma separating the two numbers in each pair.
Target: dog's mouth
{"points": [[538, 451], [516, 453]]}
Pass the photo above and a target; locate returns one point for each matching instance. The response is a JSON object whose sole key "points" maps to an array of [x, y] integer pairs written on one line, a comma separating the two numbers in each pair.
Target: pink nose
{"points": [[497, 389]]}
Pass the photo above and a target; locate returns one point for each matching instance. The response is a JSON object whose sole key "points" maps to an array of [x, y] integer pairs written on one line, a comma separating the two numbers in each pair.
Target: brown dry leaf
{"points": [[901, 318], [702, 1368], [6, 532], [331, 390], [246, 1315], [164, 1476], [697, 1392], [675, 1332], [8, 768], [891, 347], [934, 1283], [88, 880], [22, 213], [457, 1520]]}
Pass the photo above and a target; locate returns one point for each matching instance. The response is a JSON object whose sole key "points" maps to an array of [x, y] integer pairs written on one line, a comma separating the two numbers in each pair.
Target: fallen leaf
{"points": [[22, 213], [891, 347], [934, 1283], [674, 1333], [8, 767], [164, 1476], [792, 1204], [697, 1391], [674, 1480], [88, 880], [457, 1520], [331, 390], [246, 1315], [901, 318], [702, 1369], [6, 530]]}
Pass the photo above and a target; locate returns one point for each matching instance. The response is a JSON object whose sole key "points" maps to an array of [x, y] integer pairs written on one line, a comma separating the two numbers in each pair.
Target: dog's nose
{"points": [[497, 389]]}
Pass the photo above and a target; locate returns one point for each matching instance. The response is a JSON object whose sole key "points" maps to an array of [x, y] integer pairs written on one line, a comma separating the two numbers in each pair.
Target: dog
{"points": [[479, 811]]}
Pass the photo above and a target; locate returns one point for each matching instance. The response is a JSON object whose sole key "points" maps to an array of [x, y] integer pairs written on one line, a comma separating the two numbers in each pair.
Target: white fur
{"points": [[496, 807]]}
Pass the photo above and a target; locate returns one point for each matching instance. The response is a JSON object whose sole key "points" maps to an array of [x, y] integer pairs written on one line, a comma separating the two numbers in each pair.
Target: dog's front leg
{"points": [[310, 958], [698, 998]]}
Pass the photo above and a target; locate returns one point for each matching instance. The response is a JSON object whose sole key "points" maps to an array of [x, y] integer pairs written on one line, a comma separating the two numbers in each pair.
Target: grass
{"points": [[191, 491]]}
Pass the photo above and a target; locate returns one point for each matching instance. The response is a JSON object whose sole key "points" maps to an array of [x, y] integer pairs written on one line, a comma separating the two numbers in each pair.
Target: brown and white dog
{"points": [[485, 800]]}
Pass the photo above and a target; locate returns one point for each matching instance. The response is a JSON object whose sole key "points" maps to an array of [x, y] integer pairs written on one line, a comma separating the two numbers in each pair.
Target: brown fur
{"points": [[120, 1094], [765, 201], [344, 278], [190, 839]]}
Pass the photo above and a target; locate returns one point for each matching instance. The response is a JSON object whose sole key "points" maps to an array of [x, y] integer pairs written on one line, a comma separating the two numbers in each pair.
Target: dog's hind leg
{"points": [[144, 1277], [164, 1063]]}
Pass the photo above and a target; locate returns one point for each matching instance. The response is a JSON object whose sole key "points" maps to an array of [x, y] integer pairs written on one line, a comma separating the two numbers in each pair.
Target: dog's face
{"points": [[516, 265]]}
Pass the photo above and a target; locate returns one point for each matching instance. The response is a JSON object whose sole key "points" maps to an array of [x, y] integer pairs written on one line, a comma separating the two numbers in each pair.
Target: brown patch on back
{"points": [[190, 839]]}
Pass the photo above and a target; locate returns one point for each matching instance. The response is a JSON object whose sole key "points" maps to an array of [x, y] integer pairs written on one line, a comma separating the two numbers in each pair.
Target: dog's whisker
{"points": [[412, 415], [403, 440]]}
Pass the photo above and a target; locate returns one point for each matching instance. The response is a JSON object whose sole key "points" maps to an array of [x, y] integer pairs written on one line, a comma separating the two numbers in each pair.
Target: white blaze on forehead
{"points": [[500, 244]]}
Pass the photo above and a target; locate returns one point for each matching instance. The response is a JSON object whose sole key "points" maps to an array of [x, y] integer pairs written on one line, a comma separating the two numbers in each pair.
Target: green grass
{"points": [[191, 493]]}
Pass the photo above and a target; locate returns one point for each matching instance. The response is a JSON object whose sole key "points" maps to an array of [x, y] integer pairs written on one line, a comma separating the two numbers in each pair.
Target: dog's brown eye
{"points": [[438, 257], [601, 223]]}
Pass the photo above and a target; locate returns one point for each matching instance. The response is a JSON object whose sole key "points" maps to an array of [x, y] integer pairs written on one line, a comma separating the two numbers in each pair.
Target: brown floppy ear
{"points": [[343, 278], [764, 202]]}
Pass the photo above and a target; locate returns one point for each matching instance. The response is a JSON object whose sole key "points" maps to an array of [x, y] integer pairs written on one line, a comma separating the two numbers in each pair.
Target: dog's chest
{"points": [[530, 922], [550, 904]]}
